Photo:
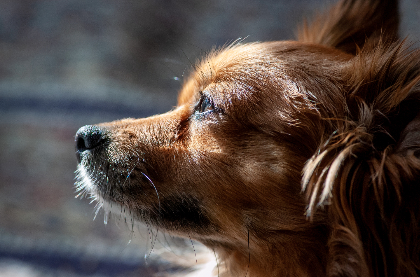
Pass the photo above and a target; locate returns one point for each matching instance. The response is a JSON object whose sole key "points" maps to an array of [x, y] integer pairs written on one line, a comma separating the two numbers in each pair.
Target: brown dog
{"points": [[334, 115]]}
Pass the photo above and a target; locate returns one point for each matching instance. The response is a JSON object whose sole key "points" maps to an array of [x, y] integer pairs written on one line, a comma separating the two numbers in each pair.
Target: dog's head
{"points": [[256, 124], [228, 154]]}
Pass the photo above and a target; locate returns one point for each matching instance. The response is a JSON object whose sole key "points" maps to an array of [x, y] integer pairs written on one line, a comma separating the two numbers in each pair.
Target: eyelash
{"points": [[205, 106]]}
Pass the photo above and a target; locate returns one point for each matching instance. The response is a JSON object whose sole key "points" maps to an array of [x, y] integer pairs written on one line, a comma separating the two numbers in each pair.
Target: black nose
{"points": [[89, 137]]}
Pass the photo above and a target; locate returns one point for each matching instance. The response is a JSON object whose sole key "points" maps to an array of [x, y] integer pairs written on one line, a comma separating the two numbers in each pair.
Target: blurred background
{"points": [[68, 63]]}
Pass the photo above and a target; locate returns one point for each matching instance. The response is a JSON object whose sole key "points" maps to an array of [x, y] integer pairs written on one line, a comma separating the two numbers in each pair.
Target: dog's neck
{"points": [[282, 254]]}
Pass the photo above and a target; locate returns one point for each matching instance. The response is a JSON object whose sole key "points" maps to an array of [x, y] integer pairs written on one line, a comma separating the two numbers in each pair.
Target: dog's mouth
{"points": [[103, 183], [124, 185]]}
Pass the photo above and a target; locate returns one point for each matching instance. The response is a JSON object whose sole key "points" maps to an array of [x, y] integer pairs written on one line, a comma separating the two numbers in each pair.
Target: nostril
{"points": [[80, 144], [89, 137]]}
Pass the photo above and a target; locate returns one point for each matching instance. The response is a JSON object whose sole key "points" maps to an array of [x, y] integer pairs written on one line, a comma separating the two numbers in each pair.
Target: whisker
{"points": [[106, 217], [129, 173], [217, 263], [97, 208], [153, 187], [152, 242], [195, 253]]}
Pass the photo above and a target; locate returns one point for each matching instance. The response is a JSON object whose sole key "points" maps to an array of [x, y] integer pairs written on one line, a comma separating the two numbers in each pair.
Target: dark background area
{"points": [[68, 63]]}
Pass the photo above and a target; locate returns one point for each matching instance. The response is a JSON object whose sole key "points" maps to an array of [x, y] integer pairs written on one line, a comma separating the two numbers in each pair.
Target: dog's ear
{"points": [[349, 24], [366, 172]]}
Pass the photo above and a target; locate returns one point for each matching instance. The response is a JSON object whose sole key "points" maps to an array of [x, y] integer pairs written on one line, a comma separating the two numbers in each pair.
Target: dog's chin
{"points": [[180, 214], [86, 186]]}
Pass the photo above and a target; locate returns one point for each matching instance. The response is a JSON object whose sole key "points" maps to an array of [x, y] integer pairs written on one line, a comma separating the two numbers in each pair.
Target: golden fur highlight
{"points": [[293, 158]]}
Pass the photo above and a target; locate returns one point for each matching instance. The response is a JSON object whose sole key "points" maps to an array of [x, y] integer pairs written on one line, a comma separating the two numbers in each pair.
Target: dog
{"points": [[286, 158]]}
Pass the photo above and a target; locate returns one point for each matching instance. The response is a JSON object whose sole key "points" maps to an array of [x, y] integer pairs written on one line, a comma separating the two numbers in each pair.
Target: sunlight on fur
{"points": [[283, 158]]}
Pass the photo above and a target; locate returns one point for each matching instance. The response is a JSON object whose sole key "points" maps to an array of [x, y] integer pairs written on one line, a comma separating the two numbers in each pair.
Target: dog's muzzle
{"points": [[89, 138]]}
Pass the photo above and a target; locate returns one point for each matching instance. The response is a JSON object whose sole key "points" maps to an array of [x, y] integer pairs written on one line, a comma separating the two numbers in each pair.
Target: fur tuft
{"points": [[364, 175]]}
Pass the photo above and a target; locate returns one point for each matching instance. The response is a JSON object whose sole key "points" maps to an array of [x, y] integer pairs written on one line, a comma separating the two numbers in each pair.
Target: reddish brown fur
{"points": [[340, 107]]}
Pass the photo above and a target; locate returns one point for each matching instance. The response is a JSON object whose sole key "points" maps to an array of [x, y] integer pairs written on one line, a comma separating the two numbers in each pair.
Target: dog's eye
{"points": [[205, 105]]}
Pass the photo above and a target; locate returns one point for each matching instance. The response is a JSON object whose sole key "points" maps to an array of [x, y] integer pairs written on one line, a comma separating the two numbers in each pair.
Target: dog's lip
{"points": [[82, 154], [78, 157]]}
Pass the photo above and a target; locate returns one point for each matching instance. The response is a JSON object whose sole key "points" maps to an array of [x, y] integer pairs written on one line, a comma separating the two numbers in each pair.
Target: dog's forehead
{"points": [[251, 67], [238, 64]]}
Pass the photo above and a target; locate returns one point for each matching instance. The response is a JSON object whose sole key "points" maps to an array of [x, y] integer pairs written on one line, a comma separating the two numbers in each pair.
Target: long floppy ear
{"points": [[366, 172], [350, 23]]}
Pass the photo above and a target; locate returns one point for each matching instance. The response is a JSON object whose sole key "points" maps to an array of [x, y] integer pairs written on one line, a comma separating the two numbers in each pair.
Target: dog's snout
{"points": [[89, 137]]}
